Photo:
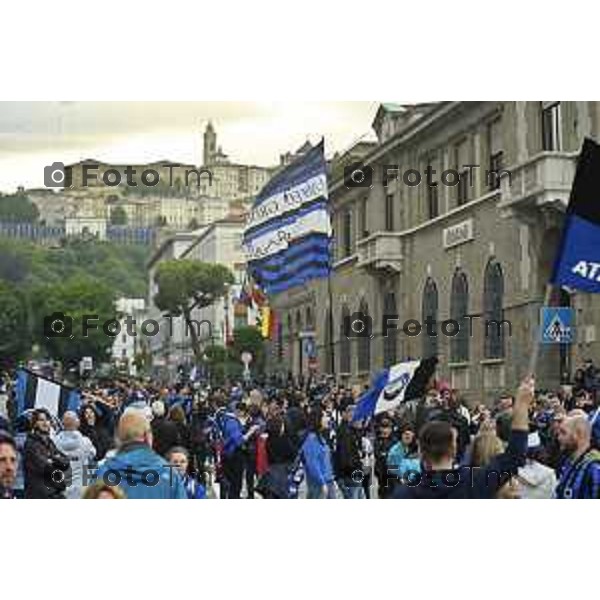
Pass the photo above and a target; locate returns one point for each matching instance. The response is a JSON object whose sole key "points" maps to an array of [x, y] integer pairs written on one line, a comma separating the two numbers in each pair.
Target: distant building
{"points": [[477, 247], [125, 346], [85, 227]]}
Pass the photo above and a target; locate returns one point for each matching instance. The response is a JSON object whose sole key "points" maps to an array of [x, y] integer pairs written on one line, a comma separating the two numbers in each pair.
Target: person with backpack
{"points": [[281, 453]]}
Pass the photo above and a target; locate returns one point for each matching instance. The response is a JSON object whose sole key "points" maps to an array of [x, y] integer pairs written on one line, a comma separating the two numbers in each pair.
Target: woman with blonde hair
{"points": [[486, 446], [102, 491]]}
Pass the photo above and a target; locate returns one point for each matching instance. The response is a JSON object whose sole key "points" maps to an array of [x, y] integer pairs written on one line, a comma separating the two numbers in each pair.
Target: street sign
{"points": [[310, 347], [558, 325]]}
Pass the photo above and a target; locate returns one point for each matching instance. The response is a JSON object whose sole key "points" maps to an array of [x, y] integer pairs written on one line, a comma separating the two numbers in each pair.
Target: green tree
{"points": [[118, 216], [14, 335], [184, 285], [77, 297], [18, 208], [249, 339]]}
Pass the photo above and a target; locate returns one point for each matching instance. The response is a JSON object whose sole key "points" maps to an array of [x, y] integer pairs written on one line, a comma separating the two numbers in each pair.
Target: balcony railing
{"points": [[545, 179], [381, 251]]}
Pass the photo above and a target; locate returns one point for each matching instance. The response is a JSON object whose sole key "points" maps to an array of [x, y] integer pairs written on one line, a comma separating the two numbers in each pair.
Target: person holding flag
{"points": [[438, 445]]}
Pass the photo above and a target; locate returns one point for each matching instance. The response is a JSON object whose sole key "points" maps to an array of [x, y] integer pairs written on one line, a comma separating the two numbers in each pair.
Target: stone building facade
{"points": [[483, 246]]}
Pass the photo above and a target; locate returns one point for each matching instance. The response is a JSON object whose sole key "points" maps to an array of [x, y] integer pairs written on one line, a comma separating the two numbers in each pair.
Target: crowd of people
{"points": [[281, 439]]}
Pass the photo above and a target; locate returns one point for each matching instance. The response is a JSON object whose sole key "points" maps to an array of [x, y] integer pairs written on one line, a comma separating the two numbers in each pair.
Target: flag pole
{"points": [[331, 328], [533, 360]]}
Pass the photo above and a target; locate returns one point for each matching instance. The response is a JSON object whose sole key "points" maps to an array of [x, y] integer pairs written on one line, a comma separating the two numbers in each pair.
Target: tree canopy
{"points": [[18, 208], [184, 285]]}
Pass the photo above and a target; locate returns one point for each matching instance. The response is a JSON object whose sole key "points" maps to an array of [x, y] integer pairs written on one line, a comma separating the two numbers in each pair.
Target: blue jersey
{"points": [[580, 478]]}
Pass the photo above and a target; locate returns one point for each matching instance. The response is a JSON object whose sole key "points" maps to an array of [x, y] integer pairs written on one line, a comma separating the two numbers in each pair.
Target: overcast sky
{"points": [[35, 134]]}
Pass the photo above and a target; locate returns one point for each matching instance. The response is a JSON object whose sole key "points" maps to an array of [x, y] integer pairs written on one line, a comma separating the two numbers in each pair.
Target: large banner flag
{"points": [[577, 263], [288, 230], [395, 385], [32, 391]]}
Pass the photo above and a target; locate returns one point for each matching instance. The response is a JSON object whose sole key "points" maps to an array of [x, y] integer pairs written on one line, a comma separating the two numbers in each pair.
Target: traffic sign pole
{"points": [[533, 359]]}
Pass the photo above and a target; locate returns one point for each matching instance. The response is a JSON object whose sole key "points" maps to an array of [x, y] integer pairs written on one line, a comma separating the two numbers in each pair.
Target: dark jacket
{"points": [[42, 460], [6, 493], [348, 451], [165, 435], [100, 438], [280, 449], [466, 482]]}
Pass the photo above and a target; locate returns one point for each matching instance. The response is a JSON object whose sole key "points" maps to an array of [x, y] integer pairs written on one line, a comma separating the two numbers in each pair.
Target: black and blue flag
{"points": [[577, 263]]}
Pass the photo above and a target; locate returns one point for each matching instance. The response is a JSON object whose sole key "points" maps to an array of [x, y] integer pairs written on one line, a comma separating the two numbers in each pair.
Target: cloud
{"points": [[249, 132]]}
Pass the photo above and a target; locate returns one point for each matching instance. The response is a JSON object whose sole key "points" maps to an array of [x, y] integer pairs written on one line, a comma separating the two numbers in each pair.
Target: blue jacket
{"points": [[316, 457], [194, 489], [149, 475], [232, 431], [400, 463]]}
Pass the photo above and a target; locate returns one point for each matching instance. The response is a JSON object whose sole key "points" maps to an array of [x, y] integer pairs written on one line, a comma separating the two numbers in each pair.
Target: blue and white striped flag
{"points": [[395, 385], [288, 232], [32, 391]]}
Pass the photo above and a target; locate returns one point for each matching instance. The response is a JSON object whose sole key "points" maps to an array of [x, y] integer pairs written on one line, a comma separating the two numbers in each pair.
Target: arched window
{"points": [[364, 343], [459, 308], [345, 345], [390, 341], [493, 298], [429, 312], [309, 319]]}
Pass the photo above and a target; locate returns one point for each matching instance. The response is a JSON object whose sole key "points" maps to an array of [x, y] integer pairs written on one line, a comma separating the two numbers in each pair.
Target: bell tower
{"points": [[210, 145]]}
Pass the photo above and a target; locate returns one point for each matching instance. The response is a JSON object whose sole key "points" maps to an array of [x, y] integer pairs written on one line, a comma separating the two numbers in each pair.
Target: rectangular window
{"points": [[364, 231], [463, 158], [433, 208], [496, 153], [463, 187], [389, 212], [346, 233], [496, 165], [551, 126]]}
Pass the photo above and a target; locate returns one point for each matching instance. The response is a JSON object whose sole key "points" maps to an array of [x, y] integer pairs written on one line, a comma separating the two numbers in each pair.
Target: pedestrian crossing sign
{"points": [[557, 325]]}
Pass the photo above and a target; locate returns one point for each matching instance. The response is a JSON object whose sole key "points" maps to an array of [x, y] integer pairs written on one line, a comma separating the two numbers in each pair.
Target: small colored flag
{"points": [[395, 385], [32, 391], [577, 263], [265, 321]]}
